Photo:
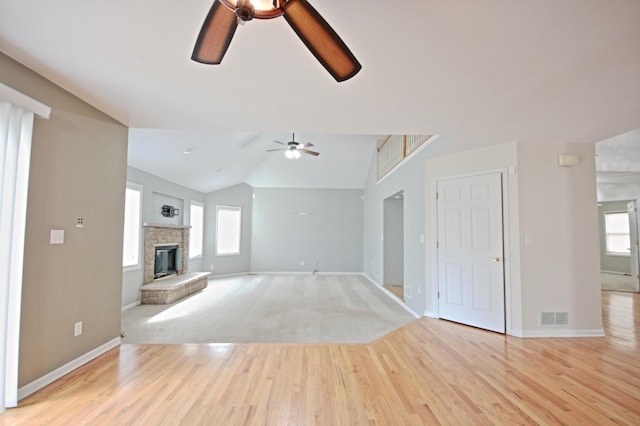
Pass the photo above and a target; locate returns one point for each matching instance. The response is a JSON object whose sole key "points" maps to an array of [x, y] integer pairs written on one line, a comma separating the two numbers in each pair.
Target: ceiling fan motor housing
{"points": [[245, 10]]}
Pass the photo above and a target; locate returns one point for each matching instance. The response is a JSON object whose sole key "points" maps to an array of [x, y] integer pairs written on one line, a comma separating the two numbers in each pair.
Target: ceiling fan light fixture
{"points": [[265, 4], [262, 9], [292, 154]]}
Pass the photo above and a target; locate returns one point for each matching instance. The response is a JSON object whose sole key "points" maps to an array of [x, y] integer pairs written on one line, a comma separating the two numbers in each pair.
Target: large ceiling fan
{"points": [[292, 149], [223, 18]]}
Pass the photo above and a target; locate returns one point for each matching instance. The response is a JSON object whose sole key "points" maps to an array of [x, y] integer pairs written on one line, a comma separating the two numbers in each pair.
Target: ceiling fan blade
{"points": [[216, 34], [308, 151], [305, 145], [276, 149], [321, 40], [281, 143]]}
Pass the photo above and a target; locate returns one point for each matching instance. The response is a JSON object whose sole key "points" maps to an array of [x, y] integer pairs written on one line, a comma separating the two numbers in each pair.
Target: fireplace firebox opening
{"points": [[167, 261]]}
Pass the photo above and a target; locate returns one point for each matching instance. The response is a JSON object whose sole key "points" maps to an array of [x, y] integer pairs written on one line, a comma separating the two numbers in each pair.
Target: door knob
{"points": [[495, 259]]}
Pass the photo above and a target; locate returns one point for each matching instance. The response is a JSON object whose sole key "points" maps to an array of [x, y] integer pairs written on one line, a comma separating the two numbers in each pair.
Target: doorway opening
{"points": [[393, 244], [619, 257]]}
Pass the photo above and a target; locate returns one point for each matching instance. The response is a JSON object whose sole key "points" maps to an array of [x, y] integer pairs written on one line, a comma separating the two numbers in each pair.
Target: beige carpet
{"points": [[271, 308], [615, 282]]}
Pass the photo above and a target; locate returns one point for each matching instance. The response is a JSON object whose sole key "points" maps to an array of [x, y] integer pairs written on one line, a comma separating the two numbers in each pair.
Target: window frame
{"points": [[193, 203], [238, 209], [139, 188], [607, 233]]}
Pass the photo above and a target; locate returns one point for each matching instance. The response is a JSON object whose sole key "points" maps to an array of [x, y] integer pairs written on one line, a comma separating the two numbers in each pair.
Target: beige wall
{"points": [[558, 270], [78, 169], [558, 208]]}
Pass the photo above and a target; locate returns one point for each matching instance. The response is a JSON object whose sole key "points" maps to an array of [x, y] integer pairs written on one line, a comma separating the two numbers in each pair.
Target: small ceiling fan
{"points": [[293, 149], [223, 18]]}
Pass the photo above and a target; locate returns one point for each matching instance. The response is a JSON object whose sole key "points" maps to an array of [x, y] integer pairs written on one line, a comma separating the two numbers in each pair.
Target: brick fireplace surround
{"points": [[155, 234], [173, 288]]}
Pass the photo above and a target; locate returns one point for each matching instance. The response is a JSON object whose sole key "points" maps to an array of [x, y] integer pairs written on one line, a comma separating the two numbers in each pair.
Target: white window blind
{"points": [[196, 220], [131, 237], [228, 226]]}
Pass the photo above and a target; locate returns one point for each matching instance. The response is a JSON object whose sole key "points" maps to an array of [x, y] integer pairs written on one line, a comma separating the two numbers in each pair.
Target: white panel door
{"points": [[632, 210], [470, 251]]}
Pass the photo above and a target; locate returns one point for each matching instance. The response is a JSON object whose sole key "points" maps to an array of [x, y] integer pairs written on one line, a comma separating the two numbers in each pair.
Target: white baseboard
{"points": [[364, 274], [515, 333], [300, 273], [562, 333], [51, 377], [237, 274], [430, 314], [130, 305], [615, 273], [391, 295]]}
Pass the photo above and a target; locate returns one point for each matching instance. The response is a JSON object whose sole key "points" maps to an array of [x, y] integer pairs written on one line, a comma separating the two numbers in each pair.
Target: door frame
{"points": [[506, 237], [385, 237], [634, 231]]}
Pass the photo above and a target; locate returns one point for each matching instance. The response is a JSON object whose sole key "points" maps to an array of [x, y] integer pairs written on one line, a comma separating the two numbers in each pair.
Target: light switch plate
{"points": [[57, 236]]}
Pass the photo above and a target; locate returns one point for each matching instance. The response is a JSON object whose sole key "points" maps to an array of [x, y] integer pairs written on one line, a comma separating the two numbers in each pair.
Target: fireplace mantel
{"points": [[164, 225]]}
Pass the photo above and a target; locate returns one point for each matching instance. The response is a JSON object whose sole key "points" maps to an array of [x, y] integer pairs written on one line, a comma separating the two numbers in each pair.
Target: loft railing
{"points": [[396, 148]]}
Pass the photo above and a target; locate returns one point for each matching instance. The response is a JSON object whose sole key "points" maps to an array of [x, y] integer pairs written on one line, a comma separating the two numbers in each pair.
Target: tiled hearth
{"points": [[155, 234]]}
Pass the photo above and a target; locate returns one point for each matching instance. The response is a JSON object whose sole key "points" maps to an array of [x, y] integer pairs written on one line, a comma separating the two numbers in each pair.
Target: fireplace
{"points": [[167, 260], [165, 237]]}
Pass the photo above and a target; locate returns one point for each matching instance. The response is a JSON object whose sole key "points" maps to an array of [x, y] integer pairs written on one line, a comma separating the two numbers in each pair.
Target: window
{"points": [[196, 220], [228, 220], [616, 225], [131, 241]]}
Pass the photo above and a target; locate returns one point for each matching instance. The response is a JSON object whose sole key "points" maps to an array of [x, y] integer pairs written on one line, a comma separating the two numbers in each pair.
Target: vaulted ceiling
{"points": [[475, 72]]}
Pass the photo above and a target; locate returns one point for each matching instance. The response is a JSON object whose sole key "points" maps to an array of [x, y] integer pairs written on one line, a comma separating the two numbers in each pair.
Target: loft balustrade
{"points": [[395, 148]]}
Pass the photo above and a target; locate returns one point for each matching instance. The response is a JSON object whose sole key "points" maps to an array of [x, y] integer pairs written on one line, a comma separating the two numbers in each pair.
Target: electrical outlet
{"points": [[302, 263], [80, 222], [77, 329], [212, 266]]}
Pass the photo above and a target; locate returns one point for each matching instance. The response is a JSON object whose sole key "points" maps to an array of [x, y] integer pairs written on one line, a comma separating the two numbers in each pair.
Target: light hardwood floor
{"points": [[396, 290], [426, 372]]}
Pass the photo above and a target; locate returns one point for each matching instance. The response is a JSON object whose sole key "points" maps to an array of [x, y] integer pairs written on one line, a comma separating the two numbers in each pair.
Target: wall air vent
{"points": [[554, 318]]}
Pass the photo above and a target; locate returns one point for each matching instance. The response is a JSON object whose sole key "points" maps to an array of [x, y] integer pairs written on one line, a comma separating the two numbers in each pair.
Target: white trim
{"points": [[130, 305], [15, 154], [298, 273], [615, 272], [430, 314], [391, 296], [238, 274], [435, 285], [51, 377], [562, 333], [23, 101], [369, 278], [617, 254]]}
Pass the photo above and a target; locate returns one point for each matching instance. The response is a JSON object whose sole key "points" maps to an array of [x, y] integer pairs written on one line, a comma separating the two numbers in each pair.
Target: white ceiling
{"points": [[221, 159], [618, 158], [475, 72]]}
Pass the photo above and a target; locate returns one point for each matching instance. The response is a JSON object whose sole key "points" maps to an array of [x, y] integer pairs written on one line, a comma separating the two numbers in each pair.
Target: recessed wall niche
{"points": [[159, 200]]}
